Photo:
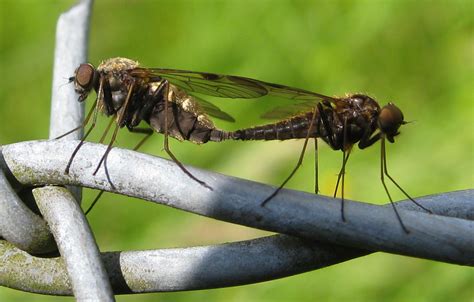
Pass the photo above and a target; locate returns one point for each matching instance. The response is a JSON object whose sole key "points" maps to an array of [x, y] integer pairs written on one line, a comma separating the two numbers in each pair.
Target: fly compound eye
{"points": [[85, 76], [390, 119]]}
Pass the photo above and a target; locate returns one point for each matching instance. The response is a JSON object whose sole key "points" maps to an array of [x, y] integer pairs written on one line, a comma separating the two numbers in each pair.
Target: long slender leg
{"points": [[120, 117], [316, 167], [382, 167], [105, 159], [94, 120], [340, 175], [394, 182], [342, 172], [106, 153], [298, 164], [96, 199], [167, 148], [104, 135], [106, 91], [148, 133], [83, 124], [327, 126]]}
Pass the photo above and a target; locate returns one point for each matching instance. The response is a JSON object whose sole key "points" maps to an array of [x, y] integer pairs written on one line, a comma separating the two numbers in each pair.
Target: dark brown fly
{"points": [[164, 98], [341, 123]]}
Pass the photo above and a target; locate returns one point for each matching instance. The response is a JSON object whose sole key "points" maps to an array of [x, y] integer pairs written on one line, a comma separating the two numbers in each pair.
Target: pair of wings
{"points": [[227, 86]]}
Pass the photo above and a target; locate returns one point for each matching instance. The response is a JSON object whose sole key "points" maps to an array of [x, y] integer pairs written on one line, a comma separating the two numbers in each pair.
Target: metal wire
{"points": [[446, 236], [304, 215]]}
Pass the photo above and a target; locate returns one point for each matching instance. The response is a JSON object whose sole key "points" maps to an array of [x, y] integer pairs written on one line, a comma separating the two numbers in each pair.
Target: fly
{"points": [[165, 100]]}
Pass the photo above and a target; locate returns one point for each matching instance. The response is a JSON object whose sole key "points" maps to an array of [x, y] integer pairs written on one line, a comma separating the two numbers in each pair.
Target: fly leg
{"points": [[120, 118], [367, 141], [332, 139], [298, 164], [83, 124], [95, 110], [330, 134], [151, 101], [96, 199], [104, 135], [342, 172], [316, 166], [148, 132], [141, 113], [104, 160], [166, 143], [383, 170]]}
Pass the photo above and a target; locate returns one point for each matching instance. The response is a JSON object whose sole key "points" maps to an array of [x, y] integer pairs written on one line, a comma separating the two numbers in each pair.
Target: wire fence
{"points": [[312, 234]]}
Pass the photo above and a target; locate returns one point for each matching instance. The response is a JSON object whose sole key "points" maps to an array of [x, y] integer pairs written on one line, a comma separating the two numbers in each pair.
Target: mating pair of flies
{"points": [[165, 99]]}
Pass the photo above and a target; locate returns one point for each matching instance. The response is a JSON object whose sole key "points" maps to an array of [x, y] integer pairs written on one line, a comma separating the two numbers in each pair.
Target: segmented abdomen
{"points": [[294, 127]]}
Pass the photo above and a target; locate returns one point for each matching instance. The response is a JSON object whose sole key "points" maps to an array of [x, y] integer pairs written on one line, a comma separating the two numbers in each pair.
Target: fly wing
{"points": [[282, 112], [213, 110], [293, 93], [228, 86], [205, 83], [225, 86]]}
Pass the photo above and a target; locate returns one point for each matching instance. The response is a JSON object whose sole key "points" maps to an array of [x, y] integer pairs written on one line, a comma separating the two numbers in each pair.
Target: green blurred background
{"points": [[418, 54]]}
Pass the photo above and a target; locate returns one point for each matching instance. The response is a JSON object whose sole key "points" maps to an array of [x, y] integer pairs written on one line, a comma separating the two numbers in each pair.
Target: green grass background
{"points": [[418, 54]]}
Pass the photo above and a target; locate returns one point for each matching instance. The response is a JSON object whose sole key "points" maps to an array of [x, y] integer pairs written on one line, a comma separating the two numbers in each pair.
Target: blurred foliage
{"points": [[418, 54]]}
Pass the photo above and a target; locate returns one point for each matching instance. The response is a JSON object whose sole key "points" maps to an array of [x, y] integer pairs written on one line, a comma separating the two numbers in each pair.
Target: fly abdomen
{"points": [[294, 127]]}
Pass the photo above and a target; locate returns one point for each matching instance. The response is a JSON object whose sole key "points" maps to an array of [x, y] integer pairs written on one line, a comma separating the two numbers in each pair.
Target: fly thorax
{"points": [[117, 65], [118, 98], [118, 91]]}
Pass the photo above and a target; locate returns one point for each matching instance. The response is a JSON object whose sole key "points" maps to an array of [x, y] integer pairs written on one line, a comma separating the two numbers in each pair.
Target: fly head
{"points": [[85, 78], [389, 121]]}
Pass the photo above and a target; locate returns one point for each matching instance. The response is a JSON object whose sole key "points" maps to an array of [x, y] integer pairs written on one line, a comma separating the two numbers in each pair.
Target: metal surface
{"points": [[180, 269], [72, 31], [59, 207], [369, 227], [18, 223], [21, 226], [75, 242], [235, 200], [201, 267]]}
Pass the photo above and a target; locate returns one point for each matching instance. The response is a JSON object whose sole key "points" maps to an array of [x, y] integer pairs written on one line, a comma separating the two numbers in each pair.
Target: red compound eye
{"points": [[85, 75], [390, 119]]}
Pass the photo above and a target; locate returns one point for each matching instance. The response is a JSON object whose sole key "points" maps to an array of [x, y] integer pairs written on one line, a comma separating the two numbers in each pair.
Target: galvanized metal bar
{"points": [[19, 224], [60, 209], [304, 215], [75, 242], [72, 32], [201, 267], [191, 268]]}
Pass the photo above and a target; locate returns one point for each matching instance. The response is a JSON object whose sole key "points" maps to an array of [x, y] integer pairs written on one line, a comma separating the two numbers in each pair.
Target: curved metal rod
{"points": [[191, 268], [201, 267], [18, 224], [304, 215], [76, 244], [59, 208], [21, 226]]}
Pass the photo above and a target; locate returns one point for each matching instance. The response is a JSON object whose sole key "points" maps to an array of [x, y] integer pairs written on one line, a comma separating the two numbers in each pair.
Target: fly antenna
{"points": [[69, 81]]}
